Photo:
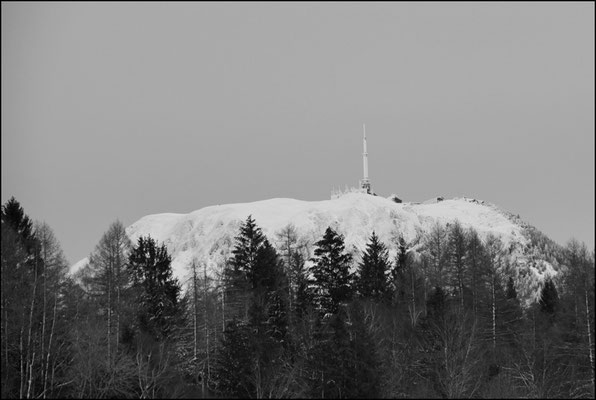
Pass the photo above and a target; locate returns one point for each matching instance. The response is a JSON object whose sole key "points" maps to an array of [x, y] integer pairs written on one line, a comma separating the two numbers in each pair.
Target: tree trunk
{"points": [[412, 281], [223, 308], [22, 375], [109, 311], [590, 352], [43, 326], [30, 365], [30, 376], [494, 315], [118, 281], [206, 325], [45, 380], [194, 303]]}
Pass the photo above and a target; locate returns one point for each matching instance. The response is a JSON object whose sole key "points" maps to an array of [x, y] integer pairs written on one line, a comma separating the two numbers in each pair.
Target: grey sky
{"points": [[120, 110]]}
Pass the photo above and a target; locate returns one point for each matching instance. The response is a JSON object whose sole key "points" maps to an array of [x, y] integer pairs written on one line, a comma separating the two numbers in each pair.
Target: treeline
{"points": [[111, 332], [290, 318]]}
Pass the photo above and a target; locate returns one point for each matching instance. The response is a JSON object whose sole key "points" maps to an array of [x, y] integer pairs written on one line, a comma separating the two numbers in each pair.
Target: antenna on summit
{"points": [[364, 182]]}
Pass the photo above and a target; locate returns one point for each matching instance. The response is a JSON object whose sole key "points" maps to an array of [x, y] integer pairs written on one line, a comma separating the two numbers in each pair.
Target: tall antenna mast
{"points": [[365, 182]]}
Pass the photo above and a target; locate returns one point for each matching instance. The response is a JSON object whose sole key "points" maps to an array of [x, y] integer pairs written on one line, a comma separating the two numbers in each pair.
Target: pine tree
{"points": [[511, 316], [157, 290], [437, 304], [372, 271], [22, 306], [399, 271], [302, 296], [14, 216], [332, 282], [233, 369], [270, 293], [239, 273], [511, 292], [549, 298], [32, 272]]}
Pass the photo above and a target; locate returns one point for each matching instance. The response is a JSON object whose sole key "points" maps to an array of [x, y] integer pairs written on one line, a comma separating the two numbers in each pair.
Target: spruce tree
{"points": [[270, 292], [549, 298], [14, 216], [233, 368], [241, 272], [512, 315], [302, 295], [157, 290], [398, 272], [511, 292], [372, 279], [245, 252], [332, 282]]}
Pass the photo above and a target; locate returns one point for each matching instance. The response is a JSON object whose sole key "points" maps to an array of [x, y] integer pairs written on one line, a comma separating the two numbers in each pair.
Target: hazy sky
{"points": [[119, 110]]}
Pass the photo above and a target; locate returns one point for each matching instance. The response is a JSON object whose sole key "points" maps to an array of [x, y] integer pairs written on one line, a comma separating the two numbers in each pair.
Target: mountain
{"points": [[207, 235]]}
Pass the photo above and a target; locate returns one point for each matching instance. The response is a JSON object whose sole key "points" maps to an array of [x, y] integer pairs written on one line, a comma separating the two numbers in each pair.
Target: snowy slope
{"points": [[207, 235]]}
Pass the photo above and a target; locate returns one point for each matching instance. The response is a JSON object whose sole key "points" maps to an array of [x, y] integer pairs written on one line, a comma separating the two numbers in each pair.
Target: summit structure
{"points": [[365, 182]]}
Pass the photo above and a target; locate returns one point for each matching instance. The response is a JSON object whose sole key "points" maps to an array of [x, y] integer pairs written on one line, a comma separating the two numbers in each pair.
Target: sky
{"points": [[119, 110]]}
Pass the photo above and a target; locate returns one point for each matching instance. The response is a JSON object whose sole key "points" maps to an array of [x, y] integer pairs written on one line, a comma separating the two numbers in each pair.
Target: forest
{"points": [[285, 318]]}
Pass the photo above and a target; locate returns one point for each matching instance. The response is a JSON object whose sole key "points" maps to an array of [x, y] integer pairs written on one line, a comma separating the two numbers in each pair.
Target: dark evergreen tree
{"points": [[241, 273], [399, 272], [233, 369], [245, 252], [372, 271], [332, 282], [549, 298], [437, 304], [303, 299], [343, 362], [511, 319], [158, 291], [511, 292], [14, 216], [270, 293]]}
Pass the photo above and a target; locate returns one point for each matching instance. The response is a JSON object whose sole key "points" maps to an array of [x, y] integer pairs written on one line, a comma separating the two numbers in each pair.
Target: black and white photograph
{"points": [[297, 200]]}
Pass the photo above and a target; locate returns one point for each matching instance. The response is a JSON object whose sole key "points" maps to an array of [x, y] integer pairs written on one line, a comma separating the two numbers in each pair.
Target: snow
{"points": [[76, 267], [207, 235]]}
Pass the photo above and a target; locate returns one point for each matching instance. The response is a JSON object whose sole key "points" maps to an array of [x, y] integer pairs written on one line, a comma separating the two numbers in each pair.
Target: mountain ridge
{"points": [[207, 235]]}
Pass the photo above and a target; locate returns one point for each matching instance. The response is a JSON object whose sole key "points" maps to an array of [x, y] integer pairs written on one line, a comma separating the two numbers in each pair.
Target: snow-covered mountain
{"points": [[207, 235]]}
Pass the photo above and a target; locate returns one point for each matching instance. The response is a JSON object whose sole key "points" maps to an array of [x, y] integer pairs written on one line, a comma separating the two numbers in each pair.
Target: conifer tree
{"points": [[512, 315], [302, 296], [14, 216], [549, 298], [399, 271], [332, 282], [241, 271], [372, 271], [511, 292], [233, 369], [156, 289]]}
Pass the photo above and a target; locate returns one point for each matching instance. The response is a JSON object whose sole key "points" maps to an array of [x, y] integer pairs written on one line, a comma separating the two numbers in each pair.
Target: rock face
{"points": [[207, 235]]}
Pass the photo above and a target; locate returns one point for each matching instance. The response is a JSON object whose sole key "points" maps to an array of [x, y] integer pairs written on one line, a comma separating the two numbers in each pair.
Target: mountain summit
{"points": [[206, 236]]}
